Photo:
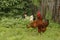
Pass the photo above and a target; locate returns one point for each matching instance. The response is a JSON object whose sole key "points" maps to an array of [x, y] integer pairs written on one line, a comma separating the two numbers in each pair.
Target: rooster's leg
{"points": [[39, 30]]}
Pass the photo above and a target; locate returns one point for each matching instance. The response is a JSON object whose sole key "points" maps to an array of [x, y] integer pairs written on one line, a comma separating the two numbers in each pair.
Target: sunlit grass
{"points": [[15, 29]]}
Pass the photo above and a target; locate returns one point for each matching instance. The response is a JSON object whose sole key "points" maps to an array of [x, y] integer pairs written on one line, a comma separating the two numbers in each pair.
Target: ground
{"points": [[15, 29]]}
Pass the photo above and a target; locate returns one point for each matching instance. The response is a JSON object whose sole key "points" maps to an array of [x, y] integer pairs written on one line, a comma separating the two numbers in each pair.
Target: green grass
{"points": [[15, 29]]}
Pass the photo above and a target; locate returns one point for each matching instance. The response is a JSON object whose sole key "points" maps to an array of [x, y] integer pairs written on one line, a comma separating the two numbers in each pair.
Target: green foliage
{"points": [[11, 22], [36, 2], [16, 7]]}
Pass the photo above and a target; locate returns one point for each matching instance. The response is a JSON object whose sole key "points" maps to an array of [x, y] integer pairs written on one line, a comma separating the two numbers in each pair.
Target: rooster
{"points": [[40, 23], [45, 23]]}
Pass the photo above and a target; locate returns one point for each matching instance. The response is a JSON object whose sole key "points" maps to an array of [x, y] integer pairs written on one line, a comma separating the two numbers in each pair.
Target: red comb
{"points": [[39, 15]]}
